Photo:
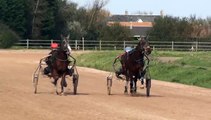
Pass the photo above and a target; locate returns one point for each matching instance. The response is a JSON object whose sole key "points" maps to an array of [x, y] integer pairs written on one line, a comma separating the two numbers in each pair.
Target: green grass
{"points": [[99, 60], [191, 68]]}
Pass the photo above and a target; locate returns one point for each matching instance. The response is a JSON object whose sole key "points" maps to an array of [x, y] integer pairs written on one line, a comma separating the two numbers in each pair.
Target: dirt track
{"points": [[168, 101]]}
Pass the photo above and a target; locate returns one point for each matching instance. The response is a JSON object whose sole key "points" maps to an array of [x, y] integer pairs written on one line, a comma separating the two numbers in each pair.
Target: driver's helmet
{"points": [[54, 45], [127, 49]]}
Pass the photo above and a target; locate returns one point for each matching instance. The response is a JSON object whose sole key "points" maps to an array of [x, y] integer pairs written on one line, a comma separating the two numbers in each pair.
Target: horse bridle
{"points": [[66, 46], [143, 49], [63, 46]]}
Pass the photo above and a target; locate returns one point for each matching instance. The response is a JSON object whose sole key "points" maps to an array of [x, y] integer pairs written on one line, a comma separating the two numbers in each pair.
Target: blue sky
{"points": [[181, 8]]}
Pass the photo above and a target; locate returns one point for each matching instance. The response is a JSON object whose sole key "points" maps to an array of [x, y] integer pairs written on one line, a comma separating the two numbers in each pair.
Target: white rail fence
{"points": [[116, 45]]}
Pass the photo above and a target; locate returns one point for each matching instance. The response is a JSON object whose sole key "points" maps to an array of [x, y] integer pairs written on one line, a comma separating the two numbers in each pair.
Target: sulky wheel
{"points": [[75, 83], [148, 86], [35, 83], [109, 84]]}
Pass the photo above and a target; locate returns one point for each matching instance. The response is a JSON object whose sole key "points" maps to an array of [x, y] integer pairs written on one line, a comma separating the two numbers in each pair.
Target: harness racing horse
{"points": [[58, 62], [133, 64]]}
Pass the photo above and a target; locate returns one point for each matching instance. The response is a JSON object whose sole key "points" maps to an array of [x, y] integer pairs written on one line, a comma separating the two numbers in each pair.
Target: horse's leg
{"points": [[135, 84], [55, 79], [126, 85], [131, 84], [141, 73], [55, 84], [127, 81], [63, 84]]}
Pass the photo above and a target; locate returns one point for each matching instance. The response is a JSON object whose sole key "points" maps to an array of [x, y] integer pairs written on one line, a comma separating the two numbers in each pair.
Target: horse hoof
{"points": [[131, 91], [125, 92]]}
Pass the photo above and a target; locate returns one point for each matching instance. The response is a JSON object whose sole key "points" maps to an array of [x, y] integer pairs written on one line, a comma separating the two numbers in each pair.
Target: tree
{"points": [[77, 31], [44, 19], [115, 32], [14, 13], [39, 11], [96, 18], [48, 29], [66, 17], [7, 36], [85, 22], [170, 29]]}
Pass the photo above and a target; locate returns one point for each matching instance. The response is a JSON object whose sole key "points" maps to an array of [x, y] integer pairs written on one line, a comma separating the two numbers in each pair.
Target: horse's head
{"points": [[65, 44], [144, 46]]}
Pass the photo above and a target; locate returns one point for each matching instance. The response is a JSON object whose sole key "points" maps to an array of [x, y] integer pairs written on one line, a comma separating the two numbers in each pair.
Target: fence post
{"points": [[100, 44], [124, 45], [83, 42], [27, 43], [172, 45], [197, 46], [51, 41], [76, 44]]}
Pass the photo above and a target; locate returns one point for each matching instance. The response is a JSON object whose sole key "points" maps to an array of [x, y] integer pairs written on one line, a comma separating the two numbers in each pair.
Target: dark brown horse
{"points": [[58, 63], [133, 64]]}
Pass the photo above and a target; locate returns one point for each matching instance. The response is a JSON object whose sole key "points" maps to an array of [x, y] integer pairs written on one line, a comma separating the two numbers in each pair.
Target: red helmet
{"points": [[54, 45]]}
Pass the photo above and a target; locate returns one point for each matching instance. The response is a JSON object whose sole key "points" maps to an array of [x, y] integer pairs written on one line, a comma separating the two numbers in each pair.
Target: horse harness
{"points": [[139, 61]]}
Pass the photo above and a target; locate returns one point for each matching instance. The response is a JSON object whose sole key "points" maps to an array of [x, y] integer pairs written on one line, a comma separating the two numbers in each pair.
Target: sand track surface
{"points": [[168, 101]]}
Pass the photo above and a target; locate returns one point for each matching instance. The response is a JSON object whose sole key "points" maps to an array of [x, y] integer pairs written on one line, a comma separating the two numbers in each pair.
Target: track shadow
{"points": [[44, 93], [144, 95], [80, 94], [135, 95], [156, 96], [66, 93]]}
